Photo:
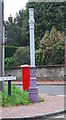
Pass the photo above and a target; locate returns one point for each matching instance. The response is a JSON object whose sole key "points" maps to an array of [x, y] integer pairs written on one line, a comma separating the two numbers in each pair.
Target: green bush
{"points": [[54, 57], [17, 97], [9, 62], [10, 51], [22, 56]]}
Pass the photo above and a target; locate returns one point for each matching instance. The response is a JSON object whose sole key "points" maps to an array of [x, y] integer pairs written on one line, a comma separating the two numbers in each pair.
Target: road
{"points": [[51, 89]]}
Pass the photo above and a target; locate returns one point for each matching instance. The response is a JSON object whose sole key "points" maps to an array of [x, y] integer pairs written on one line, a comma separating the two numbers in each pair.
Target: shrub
{"points": [[9, 62], [21, 56], [54, 57], [39, 57], [10, 51], [17, 97]]}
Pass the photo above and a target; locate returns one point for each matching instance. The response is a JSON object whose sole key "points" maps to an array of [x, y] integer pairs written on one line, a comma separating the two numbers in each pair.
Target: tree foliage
{"points": [[51, 47], [21, 56], [50, 23], [52, 40], [46, 15]]}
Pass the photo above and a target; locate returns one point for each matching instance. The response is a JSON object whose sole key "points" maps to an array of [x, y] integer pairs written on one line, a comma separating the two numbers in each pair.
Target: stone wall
{"points": [[42, 73], [50, 73]]}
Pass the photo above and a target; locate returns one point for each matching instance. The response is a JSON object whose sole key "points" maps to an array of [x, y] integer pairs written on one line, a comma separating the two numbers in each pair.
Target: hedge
{"points": [[10, 51]]}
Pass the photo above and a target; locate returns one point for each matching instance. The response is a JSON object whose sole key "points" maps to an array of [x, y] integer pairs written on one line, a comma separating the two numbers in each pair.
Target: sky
{"points": [[12, 7]]}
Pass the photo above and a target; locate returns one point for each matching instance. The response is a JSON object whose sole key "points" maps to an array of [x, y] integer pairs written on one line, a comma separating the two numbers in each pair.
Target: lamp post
{"points": [[33, 90]]}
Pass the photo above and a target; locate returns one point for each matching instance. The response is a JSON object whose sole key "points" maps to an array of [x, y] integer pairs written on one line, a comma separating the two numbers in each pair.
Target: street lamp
{"points": [[33, 90]]}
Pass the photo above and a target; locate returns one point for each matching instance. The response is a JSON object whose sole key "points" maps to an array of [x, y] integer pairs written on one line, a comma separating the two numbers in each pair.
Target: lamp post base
{"points": [[33, 90]]}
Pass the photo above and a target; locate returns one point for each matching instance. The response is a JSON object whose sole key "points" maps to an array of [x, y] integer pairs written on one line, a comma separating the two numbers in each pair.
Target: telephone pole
{"points": [[2, 43]]}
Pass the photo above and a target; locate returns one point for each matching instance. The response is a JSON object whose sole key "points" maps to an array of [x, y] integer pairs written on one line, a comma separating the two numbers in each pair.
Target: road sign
{"points": [[8, 78]]}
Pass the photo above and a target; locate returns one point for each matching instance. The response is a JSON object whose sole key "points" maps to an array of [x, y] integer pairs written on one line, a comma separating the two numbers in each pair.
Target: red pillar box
{"points": [[25, 76]]}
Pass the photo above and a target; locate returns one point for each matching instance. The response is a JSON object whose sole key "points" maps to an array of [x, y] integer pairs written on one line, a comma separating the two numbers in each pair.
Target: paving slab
{"points": [[51, 106], [42, 82]]}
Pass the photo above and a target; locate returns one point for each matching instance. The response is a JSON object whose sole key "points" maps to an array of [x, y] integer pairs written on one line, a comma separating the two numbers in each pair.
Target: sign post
{"points": [[9, 79]]}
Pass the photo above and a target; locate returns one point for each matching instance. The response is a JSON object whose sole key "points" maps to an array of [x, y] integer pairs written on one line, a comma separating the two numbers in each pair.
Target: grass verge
{"points": [[18, 97]]}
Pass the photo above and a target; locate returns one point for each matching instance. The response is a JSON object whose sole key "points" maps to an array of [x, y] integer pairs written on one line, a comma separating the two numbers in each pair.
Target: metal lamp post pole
{"points": [[33, 90]]}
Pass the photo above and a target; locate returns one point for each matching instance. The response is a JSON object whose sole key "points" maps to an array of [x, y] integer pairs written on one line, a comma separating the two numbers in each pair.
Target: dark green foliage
{"points": [[50, 57], [22, 56], [39, 57], [10, 51], [16, 31], [54, 57], [46, 15]]}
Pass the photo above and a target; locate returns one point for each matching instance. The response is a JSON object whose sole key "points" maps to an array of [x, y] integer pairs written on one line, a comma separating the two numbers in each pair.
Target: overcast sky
{"points": [[12, 7]]}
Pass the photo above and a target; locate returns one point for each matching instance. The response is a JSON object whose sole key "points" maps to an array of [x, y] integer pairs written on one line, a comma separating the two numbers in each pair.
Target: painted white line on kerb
{"points": [[61, 95]]}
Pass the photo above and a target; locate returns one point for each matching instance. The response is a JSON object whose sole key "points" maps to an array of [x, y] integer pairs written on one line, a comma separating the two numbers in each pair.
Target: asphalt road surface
{"points": [[51, 89]]}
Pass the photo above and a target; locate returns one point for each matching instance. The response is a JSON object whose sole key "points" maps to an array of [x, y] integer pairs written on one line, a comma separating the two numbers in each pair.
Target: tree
{"points": [[46, 15], [21, 56], [52, 47], [16, 30], [12, 33]]}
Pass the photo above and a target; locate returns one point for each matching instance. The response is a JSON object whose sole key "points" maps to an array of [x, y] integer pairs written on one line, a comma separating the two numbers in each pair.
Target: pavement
{"points": [[45, 82], [53, 105]]}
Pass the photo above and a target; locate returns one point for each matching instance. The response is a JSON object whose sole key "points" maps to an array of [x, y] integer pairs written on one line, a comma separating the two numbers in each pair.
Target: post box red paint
{"points": [[25, 76]]}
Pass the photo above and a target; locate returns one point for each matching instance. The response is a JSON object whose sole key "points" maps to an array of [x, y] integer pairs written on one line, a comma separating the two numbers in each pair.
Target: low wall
{"points": [[42, 73]]}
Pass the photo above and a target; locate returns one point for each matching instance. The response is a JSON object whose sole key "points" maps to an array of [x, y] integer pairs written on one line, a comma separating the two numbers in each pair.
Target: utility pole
{"points": [[0, 41], [2, 44]]}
